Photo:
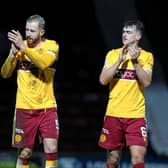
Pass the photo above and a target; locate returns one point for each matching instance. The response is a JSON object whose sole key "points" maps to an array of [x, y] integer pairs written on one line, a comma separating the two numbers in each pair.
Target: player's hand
{"points": [[134, 52], [123, 53], [16, 38], [14, 49]]}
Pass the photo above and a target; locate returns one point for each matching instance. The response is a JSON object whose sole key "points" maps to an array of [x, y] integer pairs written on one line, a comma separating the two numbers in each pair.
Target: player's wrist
{"points": [[135, 61], [12, 54]]}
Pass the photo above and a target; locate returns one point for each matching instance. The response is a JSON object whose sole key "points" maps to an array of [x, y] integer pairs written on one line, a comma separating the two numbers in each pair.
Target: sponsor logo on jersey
{"points": [[128, 74]]}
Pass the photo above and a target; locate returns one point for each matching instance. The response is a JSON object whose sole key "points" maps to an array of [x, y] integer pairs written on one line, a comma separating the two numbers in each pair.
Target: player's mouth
{"points": [[30, 40]]}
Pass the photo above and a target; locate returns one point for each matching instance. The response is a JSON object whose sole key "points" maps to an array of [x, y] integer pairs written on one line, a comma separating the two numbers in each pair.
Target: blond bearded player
{"points": [[35, 111]]}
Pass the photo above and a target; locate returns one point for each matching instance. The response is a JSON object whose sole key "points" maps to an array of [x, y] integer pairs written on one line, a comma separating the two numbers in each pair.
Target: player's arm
{"points": [[144, 74], [109, 71], [43, 58], [10, 63]]}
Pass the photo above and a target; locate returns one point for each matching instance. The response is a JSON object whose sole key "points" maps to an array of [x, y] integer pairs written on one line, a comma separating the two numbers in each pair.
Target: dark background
{"points": [[85, 31]]}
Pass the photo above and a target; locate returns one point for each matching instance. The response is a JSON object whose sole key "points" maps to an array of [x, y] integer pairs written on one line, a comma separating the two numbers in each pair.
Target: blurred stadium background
{"points": [[86, 30]]}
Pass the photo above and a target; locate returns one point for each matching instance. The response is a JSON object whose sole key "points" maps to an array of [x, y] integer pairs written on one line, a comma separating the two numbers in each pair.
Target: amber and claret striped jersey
{"points": [[36, 68], [126, 95]]}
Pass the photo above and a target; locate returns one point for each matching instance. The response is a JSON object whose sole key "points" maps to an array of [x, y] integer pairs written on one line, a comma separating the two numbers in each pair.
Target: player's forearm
{"points": [[8, 66], [108, 73], [143, 76], [41, 60]]}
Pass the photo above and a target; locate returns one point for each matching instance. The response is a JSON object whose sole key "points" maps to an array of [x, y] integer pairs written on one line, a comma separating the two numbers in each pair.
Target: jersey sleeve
{"points": [[9, 65], [148, 62], [111, 57], [45, 56]]}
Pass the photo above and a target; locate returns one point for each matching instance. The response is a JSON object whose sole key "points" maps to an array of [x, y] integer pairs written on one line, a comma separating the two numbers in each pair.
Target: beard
{"points": [[32, 42]]}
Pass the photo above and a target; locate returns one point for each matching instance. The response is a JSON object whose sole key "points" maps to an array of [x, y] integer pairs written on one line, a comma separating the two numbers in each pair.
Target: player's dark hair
{"points": [[139, 25]]}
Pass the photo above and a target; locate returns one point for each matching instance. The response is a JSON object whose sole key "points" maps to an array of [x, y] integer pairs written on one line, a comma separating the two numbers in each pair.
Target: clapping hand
{"points": [[16, 38]]}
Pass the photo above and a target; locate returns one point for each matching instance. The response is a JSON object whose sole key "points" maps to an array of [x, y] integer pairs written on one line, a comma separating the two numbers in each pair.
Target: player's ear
{"points": [[42, 32], [138, 36]]}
